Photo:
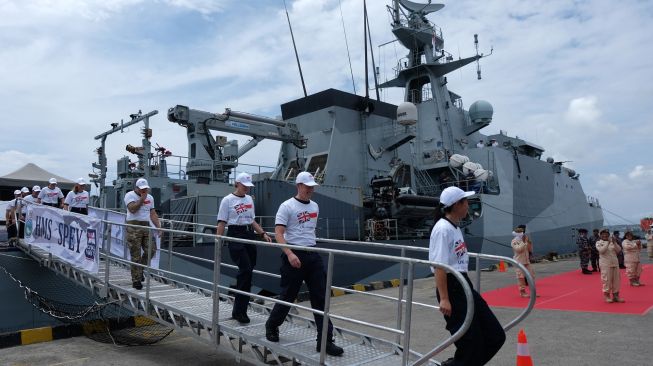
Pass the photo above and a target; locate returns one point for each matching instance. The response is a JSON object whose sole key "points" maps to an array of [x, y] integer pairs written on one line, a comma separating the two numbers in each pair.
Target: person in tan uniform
{"points": [[520, 247], [609, 264], [649, 243], [631, 258]]}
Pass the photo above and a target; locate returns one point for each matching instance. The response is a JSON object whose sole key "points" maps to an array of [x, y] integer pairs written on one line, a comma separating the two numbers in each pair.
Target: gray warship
{"points": [[381, 166]]}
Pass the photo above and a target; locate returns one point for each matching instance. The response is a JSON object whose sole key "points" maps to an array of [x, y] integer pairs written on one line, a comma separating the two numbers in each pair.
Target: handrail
{"points": [[411, 262]]}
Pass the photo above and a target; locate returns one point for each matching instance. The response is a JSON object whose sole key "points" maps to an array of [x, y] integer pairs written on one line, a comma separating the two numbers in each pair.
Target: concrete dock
{"points": [[554, 337]]}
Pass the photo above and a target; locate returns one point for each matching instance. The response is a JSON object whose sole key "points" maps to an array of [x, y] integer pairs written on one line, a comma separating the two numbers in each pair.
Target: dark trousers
{"points": [[485, 335], [79, 210], [12, 231], [21, 227], [244, 256], [594, 259], [312, 272]]}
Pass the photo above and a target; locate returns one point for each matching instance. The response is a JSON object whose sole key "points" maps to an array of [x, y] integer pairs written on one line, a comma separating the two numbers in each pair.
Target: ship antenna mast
{"points": [[292, 36], [479, 56]]}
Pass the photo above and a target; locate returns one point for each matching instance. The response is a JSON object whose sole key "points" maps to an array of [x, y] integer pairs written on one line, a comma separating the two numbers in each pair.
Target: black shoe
{"points": [[585, 271], [271, 333], [331, 349], [137, 285], [241, 318], [448, 362]]}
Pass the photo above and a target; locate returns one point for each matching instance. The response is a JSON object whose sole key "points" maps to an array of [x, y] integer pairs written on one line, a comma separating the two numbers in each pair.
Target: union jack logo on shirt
{"points": [[306, 216], [242, 207], [460, 248]]}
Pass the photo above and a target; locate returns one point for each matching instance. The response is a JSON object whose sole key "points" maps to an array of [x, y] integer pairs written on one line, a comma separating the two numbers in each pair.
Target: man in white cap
{"points": [[77, 199], [237, 214], [485, 335], [295, 224], [32, 198], [10, 216], [51, 195], [22, 210], [140, 210]]}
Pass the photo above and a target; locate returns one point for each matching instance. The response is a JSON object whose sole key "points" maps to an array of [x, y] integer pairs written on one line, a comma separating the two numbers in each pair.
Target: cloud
{"points": [[640, 172], [583, 111]]}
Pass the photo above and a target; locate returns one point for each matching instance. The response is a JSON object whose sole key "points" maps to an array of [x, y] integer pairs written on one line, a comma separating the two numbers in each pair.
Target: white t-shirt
{"points": [[300, 220], [28, 200], [13, 204], [236, 210], [143, 213], [48, 195], [447, 246], [78, 200]]}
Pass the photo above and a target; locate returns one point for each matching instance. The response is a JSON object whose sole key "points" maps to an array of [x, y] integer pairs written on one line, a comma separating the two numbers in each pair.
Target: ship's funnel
{"points": [[407, 114]]}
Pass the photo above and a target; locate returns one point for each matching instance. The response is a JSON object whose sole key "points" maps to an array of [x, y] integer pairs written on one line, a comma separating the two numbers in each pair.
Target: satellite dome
{"points": [[407, 114], [481, 112]]}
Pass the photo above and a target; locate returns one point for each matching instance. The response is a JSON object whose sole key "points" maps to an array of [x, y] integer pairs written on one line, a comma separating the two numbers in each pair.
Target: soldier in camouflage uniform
{"points": [[594, 253], [584, 251], [140, 211]]}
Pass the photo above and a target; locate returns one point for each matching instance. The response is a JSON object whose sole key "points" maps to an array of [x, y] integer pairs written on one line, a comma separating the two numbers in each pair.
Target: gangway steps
{"points": [[190, 308]]}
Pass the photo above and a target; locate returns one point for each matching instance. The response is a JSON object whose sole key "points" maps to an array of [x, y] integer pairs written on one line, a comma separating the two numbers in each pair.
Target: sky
{"points": [[572, 76]]}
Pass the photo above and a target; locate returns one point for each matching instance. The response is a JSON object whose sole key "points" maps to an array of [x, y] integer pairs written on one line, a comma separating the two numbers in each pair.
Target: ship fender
{"points": [[457, 160]]}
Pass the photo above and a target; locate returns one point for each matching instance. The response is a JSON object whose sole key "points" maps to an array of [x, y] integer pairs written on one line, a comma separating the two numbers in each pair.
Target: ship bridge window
{"points": [[317, 166]]}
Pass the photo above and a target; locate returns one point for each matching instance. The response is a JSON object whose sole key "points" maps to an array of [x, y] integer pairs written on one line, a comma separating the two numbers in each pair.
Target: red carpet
{"points": [[574, 291]]}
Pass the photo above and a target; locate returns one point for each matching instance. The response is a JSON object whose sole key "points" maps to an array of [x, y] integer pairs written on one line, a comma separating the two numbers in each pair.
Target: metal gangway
{"points": [[170, 299]]}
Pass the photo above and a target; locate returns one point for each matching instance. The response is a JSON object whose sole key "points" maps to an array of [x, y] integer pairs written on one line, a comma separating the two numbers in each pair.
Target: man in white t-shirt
{"points": [[24, 193], [237, 214], [10, 216], [51, 195], [77, 199], [295, 224], [32, 198], [140, 210], [485, 335]]}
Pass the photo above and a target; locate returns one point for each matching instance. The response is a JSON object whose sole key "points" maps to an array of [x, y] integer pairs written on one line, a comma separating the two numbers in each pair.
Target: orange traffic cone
{"points": [[502, 266], [523, 356]]}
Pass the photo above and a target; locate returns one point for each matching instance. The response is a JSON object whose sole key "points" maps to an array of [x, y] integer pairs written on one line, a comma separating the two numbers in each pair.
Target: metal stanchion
{"points": [[107, 261], [327, 305], [148, 270], [217, 257], [409, 307], [400, 297]]}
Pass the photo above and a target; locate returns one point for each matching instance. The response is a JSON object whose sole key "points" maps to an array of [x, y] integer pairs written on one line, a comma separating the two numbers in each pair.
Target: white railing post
{"points": [[409, 308], [400, 297], [217, 258], [107, 259], [327, 305]]}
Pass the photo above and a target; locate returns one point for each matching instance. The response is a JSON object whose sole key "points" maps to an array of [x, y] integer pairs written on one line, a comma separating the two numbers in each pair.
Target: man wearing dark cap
{"points": [[584, 251]]}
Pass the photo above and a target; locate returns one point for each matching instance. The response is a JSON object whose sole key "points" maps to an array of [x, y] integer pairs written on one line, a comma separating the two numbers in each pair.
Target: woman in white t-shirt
{"points": [[485, 335], [237, 214], [77, 199]]}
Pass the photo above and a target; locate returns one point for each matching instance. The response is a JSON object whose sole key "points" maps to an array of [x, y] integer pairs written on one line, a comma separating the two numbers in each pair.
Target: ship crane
{"points": [[211, 158]]}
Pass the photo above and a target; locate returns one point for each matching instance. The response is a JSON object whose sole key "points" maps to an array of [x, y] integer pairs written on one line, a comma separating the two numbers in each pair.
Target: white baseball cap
{"points": [[24, 190], [306, 178], [81, 181], [36, 189], [141, 183], [17, 192], [244, 179], [52, 181], [451, 195]]}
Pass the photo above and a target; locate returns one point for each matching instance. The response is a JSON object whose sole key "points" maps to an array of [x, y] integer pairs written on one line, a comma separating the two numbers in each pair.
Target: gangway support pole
{"points": [[400, 296], [148, 255], [107, 255], [327, 305], [217, 258], [478, 274], [409, 307], [170, 235]]}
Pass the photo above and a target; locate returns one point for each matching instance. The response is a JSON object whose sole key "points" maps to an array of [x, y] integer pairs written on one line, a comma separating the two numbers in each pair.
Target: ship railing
{"points": [[177, 170], [402, 329], [333, 227]]}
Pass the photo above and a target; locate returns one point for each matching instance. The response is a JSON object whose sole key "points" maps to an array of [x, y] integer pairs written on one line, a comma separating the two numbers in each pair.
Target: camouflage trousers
{"points": [[137, 240], [584, 255]]}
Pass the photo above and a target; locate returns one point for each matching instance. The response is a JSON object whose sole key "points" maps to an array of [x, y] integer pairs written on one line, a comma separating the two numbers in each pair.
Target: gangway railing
{"points": [[162, 300]]}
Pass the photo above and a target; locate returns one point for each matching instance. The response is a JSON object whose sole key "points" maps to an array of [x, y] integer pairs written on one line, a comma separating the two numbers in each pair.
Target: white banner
{"points": [[118, 232], [70, 237]]}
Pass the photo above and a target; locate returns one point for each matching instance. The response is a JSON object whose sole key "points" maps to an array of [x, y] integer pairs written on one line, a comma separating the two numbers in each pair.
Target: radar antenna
{"points": [[479, 56]]}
